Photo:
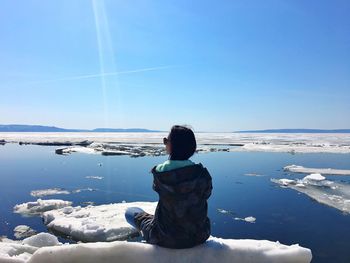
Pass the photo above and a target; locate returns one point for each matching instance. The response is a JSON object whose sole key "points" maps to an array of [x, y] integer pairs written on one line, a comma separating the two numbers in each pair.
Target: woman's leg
{"points": [[139, 219], [130, 214]]}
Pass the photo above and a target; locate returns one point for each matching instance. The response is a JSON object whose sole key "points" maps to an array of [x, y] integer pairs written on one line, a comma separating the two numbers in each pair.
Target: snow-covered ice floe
{"points": [[329, 171], [50, 191], [293, 148], [213, 250], [39, 206], [333, 194], [77, 149], [94, 223], [61, 191]]}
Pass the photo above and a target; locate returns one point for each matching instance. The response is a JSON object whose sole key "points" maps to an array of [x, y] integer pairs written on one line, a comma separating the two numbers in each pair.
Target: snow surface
{"points": [[40, 206], [333, 194], [95, 223], [15, 252], [329, 171], [293, 143], [22, 251], [213, 250]]}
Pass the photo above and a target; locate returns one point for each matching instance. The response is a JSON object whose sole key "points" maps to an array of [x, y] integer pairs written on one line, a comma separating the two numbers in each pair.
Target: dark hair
{"points": [[183, 143]]}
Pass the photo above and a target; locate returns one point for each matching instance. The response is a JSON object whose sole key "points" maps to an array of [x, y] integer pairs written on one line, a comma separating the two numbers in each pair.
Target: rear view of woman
{"points": [[180, 219]]}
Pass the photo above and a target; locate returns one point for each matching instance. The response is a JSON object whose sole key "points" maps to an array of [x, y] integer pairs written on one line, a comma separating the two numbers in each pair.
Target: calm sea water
{"points": [[282, 214]]}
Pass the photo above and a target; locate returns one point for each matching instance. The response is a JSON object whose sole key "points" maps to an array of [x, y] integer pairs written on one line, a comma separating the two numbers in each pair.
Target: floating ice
{"points": [[314, 177], [84, 190], [293, 143], [329, 171], [40, 206], [94, 223], [116, 149], [75, 149], [23, 231], [286, 182], [214, 249], [223, 211], [94, 177], [253, 174], [333, 194], [41, 240], [50, 191], [249, 219]]}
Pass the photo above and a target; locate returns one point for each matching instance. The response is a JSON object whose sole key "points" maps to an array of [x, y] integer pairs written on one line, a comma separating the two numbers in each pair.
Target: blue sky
{"points": [[216, 65]]}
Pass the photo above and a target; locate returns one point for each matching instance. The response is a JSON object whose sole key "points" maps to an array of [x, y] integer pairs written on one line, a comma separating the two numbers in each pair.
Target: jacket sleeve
{"points": [[155, 186], [209, 186]]}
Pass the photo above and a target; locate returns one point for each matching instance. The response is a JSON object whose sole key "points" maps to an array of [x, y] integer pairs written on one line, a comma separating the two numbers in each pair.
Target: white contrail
{"points": [[104, 74]]}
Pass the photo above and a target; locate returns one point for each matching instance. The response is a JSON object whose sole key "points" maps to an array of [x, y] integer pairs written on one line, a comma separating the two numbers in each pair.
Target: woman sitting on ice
{"points": [[180, 220]]}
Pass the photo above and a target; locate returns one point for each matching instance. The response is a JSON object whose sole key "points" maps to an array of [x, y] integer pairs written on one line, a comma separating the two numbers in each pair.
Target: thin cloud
{"points": [[106, 74]]}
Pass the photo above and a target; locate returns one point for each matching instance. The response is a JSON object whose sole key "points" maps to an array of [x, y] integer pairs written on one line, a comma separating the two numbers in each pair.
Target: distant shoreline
{"points": [[296, 131], [41, 128]]}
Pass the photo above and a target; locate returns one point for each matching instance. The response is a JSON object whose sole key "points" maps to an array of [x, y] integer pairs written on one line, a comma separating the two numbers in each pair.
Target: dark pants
{"points": [[139, 219]]}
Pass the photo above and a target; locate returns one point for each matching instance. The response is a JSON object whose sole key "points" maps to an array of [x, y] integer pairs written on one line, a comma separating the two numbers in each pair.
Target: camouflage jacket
{"points": [[180, 220]]}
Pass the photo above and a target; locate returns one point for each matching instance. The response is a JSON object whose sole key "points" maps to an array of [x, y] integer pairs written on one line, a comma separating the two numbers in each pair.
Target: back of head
{"points": [[183, 142]]}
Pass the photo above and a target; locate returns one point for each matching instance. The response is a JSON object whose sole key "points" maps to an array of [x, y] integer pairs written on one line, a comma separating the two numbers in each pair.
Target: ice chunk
{"points": [[23, 231], [249, 219], [253, 174], [94, 177], [76, 149], [41, 240], [286, 182], [40, 206], [333, 194], [94, 223], [329, 171], [223, 211], [50, 191], [67, 210], [314, 177], [83, 190]]}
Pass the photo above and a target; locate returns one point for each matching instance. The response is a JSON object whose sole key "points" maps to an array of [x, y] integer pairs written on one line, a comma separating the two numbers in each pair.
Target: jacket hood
{"points": [[182, 180]]}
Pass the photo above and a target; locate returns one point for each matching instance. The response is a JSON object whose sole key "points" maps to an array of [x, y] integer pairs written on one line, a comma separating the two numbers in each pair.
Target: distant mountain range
{"points": [[40, 128], [296, 131]]}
